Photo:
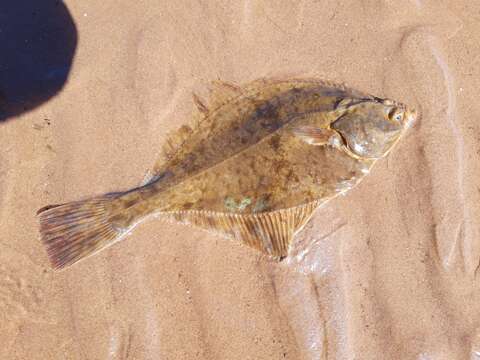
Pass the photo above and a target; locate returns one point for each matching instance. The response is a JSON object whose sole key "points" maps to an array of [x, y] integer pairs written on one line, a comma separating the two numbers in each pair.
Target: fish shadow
{"points": [[37, 46]]}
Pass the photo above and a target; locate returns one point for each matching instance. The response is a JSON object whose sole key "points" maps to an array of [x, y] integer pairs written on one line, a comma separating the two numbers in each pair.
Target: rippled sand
{"points": [[389, 271]]}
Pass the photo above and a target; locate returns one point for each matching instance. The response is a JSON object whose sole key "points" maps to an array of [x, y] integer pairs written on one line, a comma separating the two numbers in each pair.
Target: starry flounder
{"points": [[254, 165]]}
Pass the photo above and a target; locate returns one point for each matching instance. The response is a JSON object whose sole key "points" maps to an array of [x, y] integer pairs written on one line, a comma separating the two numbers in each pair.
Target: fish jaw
{"points": [[411, 116]]}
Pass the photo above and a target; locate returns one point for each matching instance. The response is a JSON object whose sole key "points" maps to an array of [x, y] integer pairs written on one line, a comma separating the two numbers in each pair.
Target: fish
{"points": [[253, 165]]}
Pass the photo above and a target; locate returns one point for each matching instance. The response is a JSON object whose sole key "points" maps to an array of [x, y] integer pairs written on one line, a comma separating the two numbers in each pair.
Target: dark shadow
{"points": [[38, 39]]}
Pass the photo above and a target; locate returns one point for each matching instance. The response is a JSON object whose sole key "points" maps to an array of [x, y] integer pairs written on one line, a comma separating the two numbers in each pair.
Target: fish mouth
{"points": [[411, 116]]}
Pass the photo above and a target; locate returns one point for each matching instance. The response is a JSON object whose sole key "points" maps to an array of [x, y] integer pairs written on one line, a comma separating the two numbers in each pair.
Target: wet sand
{"points": [[389, 271]]}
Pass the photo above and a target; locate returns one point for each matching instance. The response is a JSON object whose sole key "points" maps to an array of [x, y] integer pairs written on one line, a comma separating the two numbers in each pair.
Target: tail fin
{"points": [[75, 230]]}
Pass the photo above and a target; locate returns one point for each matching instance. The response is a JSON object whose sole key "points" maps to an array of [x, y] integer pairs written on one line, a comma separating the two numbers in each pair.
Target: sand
{"points": [[389, 271]]}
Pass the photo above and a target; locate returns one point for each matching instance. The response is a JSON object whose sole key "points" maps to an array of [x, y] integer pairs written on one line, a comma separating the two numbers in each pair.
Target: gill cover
{"points": [[370, 127]]}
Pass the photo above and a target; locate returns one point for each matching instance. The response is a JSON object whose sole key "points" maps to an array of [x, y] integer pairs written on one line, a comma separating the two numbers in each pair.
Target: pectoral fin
{"points": [[317, 136]]}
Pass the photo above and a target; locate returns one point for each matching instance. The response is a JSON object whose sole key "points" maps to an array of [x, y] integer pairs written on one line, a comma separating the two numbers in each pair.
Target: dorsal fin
{"points": [[175, 140], [220, 93], [200, 104], [269, 232], [287, 81]]}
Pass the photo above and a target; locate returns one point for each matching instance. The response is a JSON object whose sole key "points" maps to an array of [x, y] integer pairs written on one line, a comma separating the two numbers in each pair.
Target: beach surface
{"points": [[389, 271]]}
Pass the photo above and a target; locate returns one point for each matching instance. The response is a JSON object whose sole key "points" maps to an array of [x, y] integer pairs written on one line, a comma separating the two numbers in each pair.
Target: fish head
{"points": [[371, 127]]}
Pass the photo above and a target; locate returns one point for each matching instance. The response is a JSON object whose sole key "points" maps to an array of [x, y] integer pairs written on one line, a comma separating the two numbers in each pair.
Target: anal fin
{"points": [[270, 232]]}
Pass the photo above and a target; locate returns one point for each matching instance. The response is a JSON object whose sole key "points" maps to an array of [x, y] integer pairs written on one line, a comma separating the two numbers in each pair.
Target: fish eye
{"points": [[398, 116], [395, 115]]}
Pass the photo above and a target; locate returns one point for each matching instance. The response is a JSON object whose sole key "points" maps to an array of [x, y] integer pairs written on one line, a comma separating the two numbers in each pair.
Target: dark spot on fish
{"points": [[291, 176], [129, 202], [187, 206], [189, 159], [279, 165], [333, 92], [211, 222], [275, 142], [271, 124], [266, 110]]}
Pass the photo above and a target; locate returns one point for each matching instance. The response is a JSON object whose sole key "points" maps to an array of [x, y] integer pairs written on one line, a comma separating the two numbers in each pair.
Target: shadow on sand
{"points": [[38, 39]]}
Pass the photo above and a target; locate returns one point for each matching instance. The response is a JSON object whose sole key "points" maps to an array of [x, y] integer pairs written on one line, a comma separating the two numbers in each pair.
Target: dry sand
{"points": [[389, 271]]}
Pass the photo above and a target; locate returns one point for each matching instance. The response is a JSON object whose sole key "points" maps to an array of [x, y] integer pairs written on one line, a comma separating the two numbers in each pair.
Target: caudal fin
{"points": [[73, 231]]}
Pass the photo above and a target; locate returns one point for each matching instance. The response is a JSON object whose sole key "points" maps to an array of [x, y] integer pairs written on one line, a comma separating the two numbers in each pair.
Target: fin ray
{"points": [[220, 93], [76, 230], [270, 232], [313, 135]]}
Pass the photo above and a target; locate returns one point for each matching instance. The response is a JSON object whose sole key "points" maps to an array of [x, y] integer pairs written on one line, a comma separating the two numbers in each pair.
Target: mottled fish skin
{"points": [[246, 152], [254, 168], [258, 109]]}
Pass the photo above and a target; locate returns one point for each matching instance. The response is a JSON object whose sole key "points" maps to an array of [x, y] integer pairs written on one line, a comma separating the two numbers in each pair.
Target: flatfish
{"points": [[253, 166]]}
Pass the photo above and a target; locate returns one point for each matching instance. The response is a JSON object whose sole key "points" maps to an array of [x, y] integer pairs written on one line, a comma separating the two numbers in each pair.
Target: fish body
{"points": [[258, 161]]}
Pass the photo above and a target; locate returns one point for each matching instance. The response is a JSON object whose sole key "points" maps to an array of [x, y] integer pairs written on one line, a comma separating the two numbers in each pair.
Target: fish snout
{"points": [[411, 116]]}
